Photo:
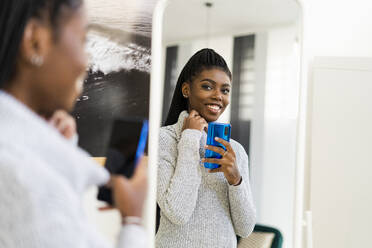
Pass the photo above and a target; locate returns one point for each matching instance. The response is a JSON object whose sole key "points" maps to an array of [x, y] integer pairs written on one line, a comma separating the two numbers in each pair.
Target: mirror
{"points": [[260, 42]]}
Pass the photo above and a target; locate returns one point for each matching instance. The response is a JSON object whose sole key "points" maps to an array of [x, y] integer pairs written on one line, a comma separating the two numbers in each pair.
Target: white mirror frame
{"points": [[156, 96]]}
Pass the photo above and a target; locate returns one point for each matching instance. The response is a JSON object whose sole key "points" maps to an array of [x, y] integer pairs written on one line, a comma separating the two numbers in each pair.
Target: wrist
{"points": [[237, 181], [132, 220]]}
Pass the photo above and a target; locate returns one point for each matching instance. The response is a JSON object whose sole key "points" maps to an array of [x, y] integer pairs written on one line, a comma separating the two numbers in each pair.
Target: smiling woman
{"points": [[261, 43], [208, 93], [201, 208], [205, 70]]}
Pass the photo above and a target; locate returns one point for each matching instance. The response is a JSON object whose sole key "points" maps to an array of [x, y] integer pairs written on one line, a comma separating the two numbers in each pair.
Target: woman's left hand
{"points": [[227, 162]]}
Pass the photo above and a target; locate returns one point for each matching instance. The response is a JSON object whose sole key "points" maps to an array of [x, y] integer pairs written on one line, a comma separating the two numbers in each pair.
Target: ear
{"points": [[186, 89], [36, 43]]}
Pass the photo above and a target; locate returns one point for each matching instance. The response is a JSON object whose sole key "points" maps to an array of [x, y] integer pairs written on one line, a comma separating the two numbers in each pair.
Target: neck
{"points": [[25, 95]]}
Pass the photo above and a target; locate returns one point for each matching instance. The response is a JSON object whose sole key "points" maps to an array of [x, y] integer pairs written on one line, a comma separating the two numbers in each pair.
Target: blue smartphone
{"points": [[215, 129], [127, 145]]}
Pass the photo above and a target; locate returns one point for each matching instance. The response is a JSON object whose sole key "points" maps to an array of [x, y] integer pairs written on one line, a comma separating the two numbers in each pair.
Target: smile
{"points": [[214, 108]]}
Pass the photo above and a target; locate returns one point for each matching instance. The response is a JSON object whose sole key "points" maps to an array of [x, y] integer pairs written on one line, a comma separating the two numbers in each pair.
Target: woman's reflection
{"points": [[201, 207]]}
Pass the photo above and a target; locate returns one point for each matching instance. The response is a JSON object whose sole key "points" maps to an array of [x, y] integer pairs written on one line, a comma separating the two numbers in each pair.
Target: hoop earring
{"points": [[37, 60]]}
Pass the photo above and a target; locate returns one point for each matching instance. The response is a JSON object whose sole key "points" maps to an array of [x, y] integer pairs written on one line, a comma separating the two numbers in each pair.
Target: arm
{"points": [[234, 165], [132, 236], [179, 175], [243, 212]]}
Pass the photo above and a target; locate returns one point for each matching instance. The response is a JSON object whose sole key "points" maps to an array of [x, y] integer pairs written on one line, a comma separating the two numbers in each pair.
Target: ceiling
{"points": [[187, 19]]}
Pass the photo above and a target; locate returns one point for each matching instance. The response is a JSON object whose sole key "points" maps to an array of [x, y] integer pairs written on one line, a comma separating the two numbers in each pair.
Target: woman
{"points": [[201, 208], [42, 174]]}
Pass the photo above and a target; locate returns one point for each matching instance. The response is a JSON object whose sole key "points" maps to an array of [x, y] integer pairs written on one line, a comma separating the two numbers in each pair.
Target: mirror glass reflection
{"points": [[259, 41]]}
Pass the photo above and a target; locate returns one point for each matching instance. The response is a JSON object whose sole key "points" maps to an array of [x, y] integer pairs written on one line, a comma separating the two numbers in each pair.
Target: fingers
{"points": [[140, 175], [212, 160], [195, 121], [118, 180], [193, 113], [216, 149], [142, 163], [225, 144], [141, 169], [215, 170], [105, 208], [202, 121], [64, 123], [126, 196]]}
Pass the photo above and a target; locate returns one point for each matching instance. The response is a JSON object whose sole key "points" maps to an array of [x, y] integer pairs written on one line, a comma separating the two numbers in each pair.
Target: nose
{"points": [[217, 95]]}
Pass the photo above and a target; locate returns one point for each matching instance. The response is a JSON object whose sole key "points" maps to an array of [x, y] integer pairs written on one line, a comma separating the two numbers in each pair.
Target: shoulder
{"points": [[18, 169], [167, 140], [26, 173], [14, 192], [167, 134], [11, 161]]}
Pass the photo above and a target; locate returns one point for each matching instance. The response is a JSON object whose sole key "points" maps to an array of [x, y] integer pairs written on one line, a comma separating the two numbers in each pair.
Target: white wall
{"points": [[340, 28], [340, 154]]}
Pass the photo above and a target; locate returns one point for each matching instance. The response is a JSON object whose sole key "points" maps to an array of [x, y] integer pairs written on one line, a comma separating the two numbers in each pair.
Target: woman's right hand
{"points": [[195, 121], [129, 194]]}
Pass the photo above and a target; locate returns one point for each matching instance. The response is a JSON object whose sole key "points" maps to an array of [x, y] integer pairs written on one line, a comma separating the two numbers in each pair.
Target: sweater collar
{"points": [[179, 125], [23, 130]]}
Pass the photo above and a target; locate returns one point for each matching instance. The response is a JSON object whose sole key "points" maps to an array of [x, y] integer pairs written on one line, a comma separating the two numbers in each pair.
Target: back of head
{"points": [[204, 59], [14, 16]]}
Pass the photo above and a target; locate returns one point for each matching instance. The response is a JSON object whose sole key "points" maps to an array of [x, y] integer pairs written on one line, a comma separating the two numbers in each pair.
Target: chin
{"points": [[211, 118]]}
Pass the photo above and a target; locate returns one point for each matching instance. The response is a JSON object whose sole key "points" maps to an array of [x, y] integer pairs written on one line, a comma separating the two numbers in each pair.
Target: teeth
{"points": [[214, 107]]}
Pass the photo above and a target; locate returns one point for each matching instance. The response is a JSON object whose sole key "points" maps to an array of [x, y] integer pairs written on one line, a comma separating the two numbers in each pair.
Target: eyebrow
{"points": [[213, 82]]}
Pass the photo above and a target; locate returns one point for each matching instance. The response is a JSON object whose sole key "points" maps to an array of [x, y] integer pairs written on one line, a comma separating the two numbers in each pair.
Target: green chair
{"points": [[262, 237]]}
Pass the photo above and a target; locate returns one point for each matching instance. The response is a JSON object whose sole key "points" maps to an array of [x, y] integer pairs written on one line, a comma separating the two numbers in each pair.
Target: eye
{"points": [[206, 86], [226, 91]]}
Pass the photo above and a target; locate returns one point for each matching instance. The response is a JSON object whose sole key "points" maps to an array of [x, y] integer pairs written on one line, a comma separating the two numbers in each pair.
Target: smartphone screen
{"points": [[128, 142]]}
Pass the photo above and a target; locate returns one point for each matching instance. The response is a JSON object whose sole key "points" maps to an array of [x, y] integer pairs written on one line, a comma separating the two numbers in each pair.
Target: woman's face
{"points": [[58, 82], [208, 93]]}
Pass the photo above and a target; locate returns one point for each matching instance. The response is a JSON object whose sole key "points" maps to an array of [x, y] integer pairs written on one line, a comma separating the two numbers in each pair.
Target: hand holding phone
{"points": [[219, 155], [127, 145], [129, 194], [215, 129]]}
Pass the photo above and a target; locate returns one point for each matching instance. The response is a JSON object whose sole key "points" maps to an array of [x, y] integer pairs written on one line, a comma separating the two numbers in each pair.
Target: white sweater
{"points": [[199, 209], [42, 181]]}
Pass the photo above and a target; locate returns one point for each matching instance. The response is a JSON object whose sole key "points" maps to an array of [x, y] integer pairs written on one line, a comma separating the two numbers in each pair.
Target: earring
{"points": [[37, 60]]}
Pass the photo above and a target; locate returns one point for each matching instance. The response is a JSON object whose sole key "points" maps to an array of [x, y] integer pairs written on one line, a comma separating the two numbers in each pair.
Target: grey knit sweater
{"points": [[199, 209]]}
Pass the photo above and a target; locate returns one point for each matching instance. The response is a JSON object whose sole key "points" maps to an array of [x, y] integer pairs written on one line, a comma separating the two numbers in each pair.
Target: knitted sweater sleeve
{"points": [[179, 174], [243, 212], [23, 225]]}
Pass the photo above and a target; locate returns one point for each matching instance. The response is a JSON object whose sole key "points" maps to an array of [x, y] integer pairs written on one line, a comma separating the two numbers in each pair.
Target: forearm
{"points": [[179, 183], [243, 212], [132, 236]]}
